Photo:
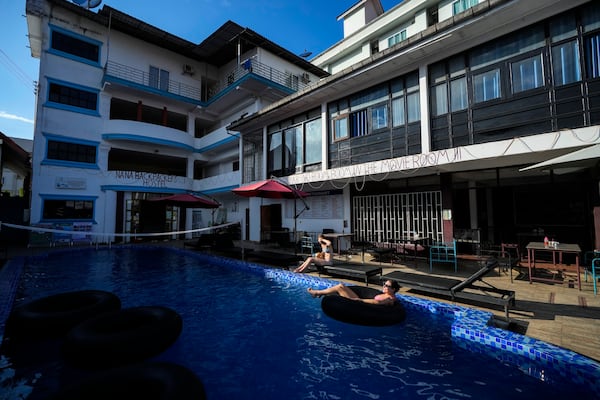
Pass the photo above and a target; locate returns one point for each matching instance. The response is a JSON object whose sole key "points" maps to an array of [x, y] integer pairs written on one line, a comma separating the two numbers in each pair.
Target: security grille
{"points": [[389, 217]]}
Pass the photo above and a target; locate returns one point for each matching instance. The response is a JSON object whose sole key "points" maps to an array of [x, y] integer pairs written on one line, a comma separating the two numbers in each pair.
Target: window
{"points": [[486, 86], [275, 152], [413, 105], [313, 141], [68, 209], [72, 96], [379, 118], [463, 5], [359, 123], [565, 63], [159, 79], [398, 112], [458, 94], [340, 128], [397, 38], [406, 106], [72, 45], [74, 152], [527, 74], [294, 147], [439, 99], [592, 56]]}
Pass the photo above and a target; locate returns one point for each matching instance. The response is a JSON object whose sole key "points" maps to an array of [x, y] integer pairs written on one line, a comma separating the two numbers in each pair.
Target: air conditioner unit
{"points": [[305, 78], [188, 69]]}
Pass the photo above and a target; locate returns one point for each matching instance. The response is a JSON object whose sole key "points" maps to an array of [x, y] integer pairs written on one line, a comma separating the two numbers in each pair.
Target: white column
{"points": [[424, 100]]}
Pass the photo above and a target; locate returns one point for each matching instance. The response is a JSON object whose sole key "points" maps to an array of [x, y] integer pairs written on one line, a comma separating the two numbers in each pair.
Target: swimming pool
{"points": [[252, 332]]}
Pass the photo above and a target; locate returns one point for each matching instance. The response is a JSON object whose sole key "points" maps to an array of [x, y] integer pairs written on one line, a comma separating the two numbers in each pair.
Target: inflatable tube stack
{"points": [[122, 337], [96, 334], [54, 316]]}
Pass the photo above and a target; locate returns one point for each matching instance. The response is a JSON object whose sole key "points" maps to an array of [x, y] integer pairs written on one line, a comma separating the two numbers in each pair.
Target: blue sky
{"points": [[295, 25]]}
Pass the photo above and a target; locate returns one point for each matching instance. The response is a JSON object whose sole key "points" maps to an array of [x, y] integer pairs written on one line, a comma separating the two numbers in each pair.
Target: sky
{"points": [[298, 26]]}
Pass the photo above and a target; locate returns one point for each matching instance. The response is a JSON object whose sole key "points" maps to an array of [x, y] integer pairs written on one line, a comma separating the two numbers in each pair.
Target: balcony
{"points": [[115, 72], [218, 184], [292, 82], [252, 76]]}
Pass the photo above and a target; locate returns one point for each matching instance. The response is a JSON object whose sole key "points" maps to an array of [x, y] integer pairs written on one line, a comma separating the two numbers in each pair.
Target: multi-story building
{"points": [[127, 112], [466, 119]]}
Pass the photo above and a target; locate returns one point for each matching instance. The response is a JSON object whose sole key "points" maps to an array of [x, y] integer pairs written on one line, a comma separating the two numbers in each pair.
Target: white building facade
{"points": [[127, 112]]}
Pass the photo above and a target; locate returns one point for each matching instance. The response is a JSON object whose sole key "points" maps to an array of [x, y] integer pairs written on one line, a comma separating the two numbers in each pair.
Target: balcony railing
{"points": [[143, 78], [293, 82]]}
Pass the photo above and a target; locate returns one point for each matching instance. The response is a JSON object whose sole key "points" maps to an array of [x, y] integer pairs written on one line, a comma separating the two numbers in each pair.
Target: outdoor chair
{"points": [[443, 253], [595, 264]]}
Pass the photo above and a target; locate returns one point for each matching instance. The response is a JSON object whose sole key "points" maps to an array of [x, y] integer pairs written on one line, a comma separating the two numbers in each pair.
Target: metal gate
{"points": [[389, 217]]}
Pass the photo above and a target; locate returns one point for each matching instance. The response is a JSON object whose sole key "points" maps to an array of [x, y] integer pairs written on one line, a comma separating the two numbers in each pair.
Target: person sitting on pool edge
{"points": [[388, 297], [325, 252]]}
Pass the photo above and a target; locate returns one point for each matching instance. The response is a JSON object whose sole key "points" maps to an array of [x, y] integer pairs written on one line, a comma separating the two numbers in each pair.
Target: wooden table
{"points": [[557, 251]]}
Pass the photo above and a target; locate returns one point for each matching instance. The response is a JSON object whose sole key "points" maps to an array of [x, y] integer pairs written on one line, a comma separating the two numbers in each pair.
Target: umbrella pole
{"points": [[294, 237]]}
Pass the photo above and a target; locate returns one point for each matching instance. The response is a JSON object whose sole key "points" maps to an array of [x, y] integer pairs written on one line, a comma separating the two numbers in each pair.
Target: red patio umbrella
{"points": [[273, 189], [269, 188], [187, 200]]}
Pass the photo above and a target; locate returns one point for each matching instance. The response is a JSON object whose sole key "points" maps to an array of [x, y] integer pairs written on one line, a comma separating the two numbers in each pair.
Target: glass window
{"points": [[158, 78], [397, 38], [379, 118], [486, 86], [565, 63], [527, 74], [462, 5], [513, 45], [398, 113], [289, 136], [75, 152], [359, 123], [592, 56], [72, 96], [68, 209], [563, 27], [439, 100], [590, 17], [314, 141], [275, 152], [75, 46], [413, 107], [340, 128], [458, 94]]}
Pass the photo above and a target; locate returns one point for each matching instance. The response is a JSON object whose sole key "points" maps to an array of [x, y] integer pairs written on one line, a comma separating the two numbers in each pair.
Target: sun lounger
{"points": [[351, 270], [463, 291]]}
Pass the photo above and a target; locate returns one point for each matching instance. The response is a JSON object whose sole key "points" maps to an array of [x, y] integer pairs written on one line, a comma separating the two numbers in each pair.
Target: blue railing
{"points": [[144, 78]]}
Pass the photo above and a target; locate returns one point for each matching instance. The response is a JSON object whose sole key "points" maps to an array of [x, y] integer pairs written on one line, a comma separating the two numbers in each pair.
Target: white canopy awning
{"points": [[579, 158]]}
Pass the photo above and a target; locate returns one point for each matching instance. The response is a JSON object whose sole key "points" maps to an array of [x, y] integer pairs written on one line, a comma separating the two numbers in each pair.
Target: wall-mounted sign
{"points": [[70, 183]]}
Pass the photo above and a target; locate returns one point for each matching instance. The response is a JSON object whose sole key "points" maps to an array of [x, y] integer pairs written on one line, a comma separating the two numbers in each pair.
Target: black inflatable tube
{"points": [[359, 313], [148, 381], [121, 337], [55, 315]]}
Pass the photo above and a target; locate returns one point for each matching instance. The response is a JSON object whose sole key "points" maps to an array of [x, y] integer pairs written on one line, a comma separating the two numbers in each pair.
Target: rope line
{"points": [[74, 232]]}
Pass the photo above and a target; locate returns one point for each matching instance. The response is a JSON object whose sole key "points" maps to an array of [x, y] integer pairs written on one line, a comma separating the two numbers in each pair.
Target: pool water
{"points": [[249, 336]]}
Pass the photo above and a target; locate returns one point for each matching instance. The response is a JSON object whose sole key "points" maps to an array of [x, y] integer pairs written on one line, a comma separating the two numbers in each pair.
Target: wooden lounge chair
{"points": [[465, 291], [364, 271]]}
